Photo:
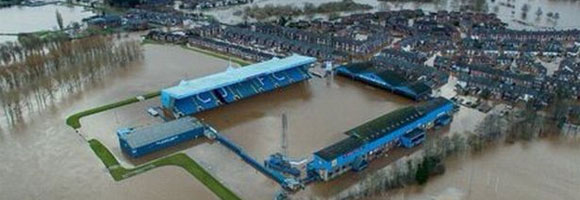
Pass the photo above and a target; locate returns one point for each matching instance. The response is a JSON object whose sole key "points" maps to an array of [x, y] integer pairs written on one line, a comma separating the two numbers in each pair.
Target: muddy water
{"points": [[42, 158], [30, 19], [545, 169], [319, 112], [568, 10]]}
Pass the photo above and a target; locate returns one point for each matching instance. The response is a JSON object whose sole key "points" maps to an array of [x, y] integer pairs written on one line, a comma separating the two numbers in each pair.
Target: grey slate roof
{"points": [[144, 136]]}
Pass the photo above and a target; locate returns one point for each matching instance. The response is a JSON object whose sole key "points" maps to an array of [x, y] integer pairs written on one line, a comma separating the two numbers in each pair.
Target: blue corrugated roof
{"points": [[229, 77]]}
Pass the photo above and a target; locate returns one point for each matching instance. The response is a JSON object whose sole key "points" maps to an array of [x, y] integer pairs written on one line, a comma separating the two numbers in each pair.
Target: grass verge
{"points": [[118, 172]]}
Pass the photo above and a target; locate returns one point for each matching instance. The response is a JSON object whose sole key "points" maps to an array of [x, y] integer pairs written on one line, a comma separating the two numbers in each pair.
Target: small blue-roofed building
{"points": [[137, 142], [193, 96]]}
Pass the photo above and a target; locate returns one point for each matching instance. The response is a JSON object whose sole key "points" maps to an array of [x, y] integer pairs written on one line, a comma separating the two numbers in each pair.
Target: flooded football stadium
{"points": [[45, 159]]}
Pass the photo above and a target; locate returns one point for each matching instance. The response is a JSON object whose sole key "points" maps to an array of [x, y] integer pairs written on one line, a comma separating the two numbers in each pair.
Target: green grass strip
{"points": [[180, 159], [74, 120]]}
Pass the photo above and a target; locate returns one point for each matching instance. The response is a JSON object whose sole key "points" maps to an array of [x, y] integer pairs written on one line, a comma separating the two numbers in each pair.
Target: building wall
{"points": [[160, 144]]}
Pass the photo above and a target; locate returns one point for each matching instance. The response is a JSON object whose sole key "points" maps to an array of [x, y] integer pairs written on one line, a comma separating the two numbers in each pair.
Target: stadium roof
{"points": [[379, 127], [420, 88], [144, 136], [232, 76], [340, 148], [392, 121], [385, 124]]}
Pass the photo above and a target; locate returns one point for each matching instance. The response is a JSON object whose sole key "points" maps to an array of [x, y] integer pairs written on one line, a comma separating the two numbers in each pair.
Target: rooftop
{"points": [[392, 121], [378, 128], [231, 76], [340, 148], [143, 136]]}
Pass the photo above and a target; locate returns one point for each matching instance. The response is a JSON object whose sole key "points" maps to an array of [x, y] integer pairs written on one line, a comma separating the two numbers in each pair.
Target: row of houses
{"points": [[435, 28], [373, 41], [509, 85], [467, 20], [441, 22], [488, 72], [206, 4], [169, 37], [231, 49], [427, 43], [569, 70], [404, 55], [524, 35], [498, 90], [515, 48], [412, 71], [281, 45], [215, 45], [160, 18]]}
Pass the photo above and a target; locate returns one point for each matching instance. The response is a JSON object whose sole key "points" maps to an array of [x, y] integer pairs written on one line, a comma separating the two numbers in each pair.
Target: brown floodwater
{"points": [[42, 158], [319, 111], [509, 11], [39, 18], [45, 159], [543, 169]]}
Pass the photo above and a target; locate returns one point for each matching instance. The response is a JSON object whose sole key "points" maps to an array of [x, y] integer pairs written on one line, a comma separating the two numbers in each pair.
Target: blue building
{"points": [[385, 79], [413, 138], [190, 97], [138, 142], [374, 138]]}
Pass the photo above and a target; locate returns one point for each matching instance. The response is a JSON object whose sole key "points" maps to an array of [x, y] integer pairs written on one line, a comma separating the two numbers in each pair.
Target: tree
{"points": [[426, 168], [490, 127], [59, 20]]}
